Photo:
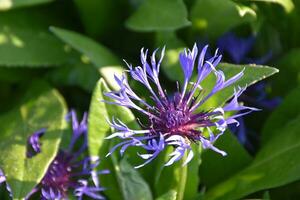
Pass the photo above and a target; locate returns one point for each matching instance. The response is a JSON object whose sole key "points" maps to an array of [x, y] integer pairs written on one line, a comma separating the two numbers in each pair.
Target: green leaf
{"points": [[47, 110], [287, 110], [108, 73], [277, 163], [170, 195], [252, 74], [98, 129], [210, 171], [133, 185], [10, 4], [209, 16], [23, 43], [102, 58], [98, 54], [157, 15]]}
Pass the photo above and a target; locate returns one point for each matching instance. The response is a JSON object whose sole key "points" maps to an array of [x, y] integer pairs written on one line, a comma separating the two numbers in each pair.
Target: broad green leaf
{"points": [[10, 4], [170, 195], [98, 128], [288, 5], [23, 43], [47, 110], [157, 15], [209, 16], [287, 110], [19, 47], [133, 185], [252, 74], [237, 158], [104, 60], [98, 54], [277, 163]]}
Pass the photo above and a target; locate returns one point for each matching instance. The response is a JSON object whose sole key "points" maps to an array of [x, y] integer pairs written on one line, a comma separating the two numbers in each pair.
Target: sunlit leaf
{"points": [[98, 128], [10, 4], [170, 195], [46, 110], [98, 54], [28, 46], [288, 5]]}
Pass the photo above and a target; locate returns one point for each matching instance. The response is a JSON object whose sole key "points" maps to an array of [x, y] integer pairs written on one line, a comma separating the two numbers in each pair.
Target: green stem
{"points": [[182, 180]]}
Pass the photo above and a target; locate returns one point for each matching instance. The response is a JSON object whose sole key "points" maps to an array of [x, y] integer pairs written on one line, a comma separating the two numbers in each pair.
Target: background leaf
{"points": [[156, 15], [215, 169], [287, 110], [98, 54], [209, 16], [21, 45], [288, 5], [46, 110], [276, 164]]}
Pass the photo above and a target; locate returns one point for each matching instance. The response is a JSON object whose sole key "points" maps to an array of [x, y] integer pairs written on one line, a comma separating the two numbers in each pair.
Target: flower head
{"points": [[67, 172], [175, 120]]}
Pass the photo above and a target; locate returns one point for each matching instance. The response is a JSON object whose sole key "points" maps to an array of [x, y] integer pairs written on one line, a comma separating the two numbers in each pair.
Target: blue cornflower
{"points": [[175, 120], [68, 172]]}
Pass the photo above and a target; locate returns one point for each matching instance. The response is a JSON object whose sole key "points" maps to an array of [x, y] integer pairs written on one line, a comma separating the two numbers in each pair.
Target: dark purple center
{"points": [[58, 176], [175, 118]]}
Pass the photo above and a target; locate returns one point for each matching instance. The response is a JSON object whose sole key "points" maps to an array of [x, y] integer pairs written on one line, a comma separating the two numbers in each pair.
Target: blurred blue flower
{"points": [[68, 172], [237, 50], [175, 120]]}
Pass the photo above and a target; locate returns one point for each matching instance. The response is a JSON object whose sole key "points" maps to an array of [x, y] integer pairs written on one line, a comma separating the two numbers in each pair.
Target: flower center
{"points": [[58, 175], [175, 119]]}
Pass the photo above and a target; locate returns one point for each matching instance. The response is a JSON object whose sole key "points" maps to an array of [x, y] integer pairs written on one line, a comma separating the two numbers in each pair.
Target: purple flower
{"points": [[175, 120], [34, 145], [68, 172]]}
